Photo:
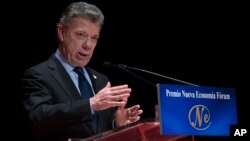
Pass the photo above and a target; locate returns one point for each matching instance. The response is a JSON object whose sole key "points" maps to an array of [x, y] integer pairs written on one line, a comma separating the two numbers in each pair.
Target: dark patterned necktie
{"points": [[86, 91], [85, 88]]}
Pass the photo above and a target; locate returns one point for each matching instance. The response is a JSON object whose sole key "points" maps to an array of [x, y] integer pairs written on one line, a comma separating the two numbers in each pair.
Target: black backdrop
{"points": [[202, 43]]}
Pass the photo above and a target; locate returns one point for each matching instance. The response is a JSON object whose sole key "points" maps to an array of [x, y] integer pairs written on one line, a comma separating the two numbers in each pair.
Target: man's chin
{"points": [[82, 64]]}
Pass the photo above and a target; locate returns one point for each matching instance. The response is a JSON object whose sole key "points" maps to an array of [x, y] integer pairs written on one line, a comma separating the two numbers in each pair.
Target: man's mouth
{"points": [[82, 54]]}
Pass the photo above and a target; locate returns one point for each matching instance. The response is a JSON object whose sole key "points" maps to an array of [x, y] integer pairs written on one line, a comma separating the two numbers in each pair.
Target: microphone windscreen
{"points": [[107, 64]]}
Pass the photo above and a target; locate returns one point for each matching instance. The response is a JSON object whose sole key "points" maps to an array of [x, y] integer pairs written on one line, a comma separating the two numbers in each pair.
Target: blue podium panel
{"points": [[192, 110]]}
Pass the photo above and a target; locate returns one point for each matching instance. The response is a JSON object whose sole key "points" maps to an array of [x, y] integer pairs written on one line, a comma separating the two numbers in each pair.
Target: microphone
{"points": [[125, 68], [109, 65], [119, 66]]}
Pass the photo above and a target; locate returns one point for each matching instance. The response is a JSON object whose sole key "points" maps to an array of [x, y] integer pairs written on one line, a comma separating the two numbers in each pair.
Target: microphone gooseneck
{"points": [[159, 75], [109, 65], [125, 68]]}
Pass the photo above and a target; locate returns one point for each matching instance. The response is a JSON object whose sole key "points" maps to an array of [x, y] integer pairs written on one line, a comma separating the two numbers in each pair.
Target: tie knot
{"points": [[79, 71]]}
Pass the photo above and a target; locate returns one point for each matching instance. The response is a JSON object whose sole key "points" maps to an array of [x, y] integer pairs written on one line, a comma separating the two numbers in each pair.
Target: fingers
{"points": [[120, 97], [117, 103], [134, 108], [118, 87], [116, 90], [134, 119], [124, 116], [134, 112], [110, 97], [98, 104], [118, 93]]}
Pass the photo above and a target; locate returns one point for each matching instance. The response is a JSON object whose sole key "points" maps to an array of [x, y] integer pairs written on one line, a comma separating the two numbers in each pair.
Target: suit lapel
{"points": [[63, 79]]}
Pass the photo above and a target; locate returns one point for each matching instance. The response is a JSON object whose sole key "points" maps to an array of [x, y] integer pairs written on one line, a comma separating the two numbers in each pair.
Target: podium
{"points": [[147, 130]]}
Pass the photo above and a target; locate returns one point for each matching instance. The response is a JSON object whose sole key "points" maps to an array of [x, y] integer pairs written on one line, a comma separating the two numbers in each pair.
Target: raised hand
{"points": [[124, 116], [110, 97]]}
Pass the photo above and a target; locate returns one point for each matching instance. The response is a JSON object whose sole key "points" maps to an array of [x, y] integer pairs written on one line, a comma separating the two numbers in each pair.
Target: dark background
{"points": [[202, 43]]}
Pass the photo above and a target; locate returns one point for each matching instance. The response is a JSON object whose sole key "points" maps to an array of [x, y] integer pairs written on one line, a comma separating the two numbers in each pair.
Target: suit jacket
{"points": [[55, 106]]}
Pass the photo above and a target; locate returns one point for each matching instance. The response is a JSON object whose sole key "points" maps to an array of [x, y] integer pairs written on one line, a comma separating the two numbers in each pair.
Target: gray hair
{"points": [[83, 10]]}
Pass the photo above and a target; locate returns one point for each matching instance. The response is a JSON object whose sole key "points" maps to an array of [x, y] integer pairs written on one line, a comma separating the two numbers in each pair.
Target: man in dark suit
{"points": [[53, 98]]}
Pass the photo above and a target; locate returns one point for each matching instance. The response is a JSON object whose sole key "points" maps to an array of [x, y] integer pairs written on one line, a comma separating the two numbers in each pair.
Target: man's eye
{"points": [[96, 38], [81, 35]]}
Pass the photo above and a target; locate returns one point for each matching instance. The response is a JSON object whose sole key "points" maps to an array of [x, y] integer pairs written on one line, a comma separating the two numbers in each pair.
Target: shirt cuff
{"points": [[92, 111], [113, 123]]}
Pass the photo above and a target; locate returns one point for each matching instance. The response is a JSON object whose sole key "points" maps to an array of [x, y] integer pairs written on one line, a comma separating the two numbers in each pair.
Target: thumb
{"points": [[124, 100], [108, 85]]}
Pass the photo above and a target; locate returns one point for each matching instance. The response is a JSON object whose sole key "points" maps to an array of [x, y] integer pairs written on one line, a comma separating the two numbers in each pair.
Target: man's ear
{"points": [[60, 32]]}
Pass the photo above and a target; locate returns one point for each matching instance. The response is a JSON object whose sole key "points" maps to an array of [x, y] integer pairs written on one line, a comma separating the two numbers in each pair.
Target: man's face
{"points": [[78, 40]]}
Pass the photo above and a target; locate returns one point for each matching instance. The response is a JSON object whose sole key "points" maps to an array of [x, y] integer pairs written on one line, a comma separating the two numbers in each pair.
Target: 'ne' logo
{"points": [[199, 117]]}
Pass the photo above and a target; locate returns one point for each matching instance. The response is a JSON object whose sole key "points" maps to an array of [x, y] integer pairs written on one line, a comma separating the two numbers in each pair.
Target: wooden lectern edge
{"points": [[146, 127]]}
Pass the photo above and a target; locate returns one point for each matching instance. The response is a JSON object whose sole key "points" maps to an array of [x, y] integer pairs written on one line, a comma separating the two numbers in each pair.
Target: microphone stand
{"points": [[135, 75], [159, 75]]}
